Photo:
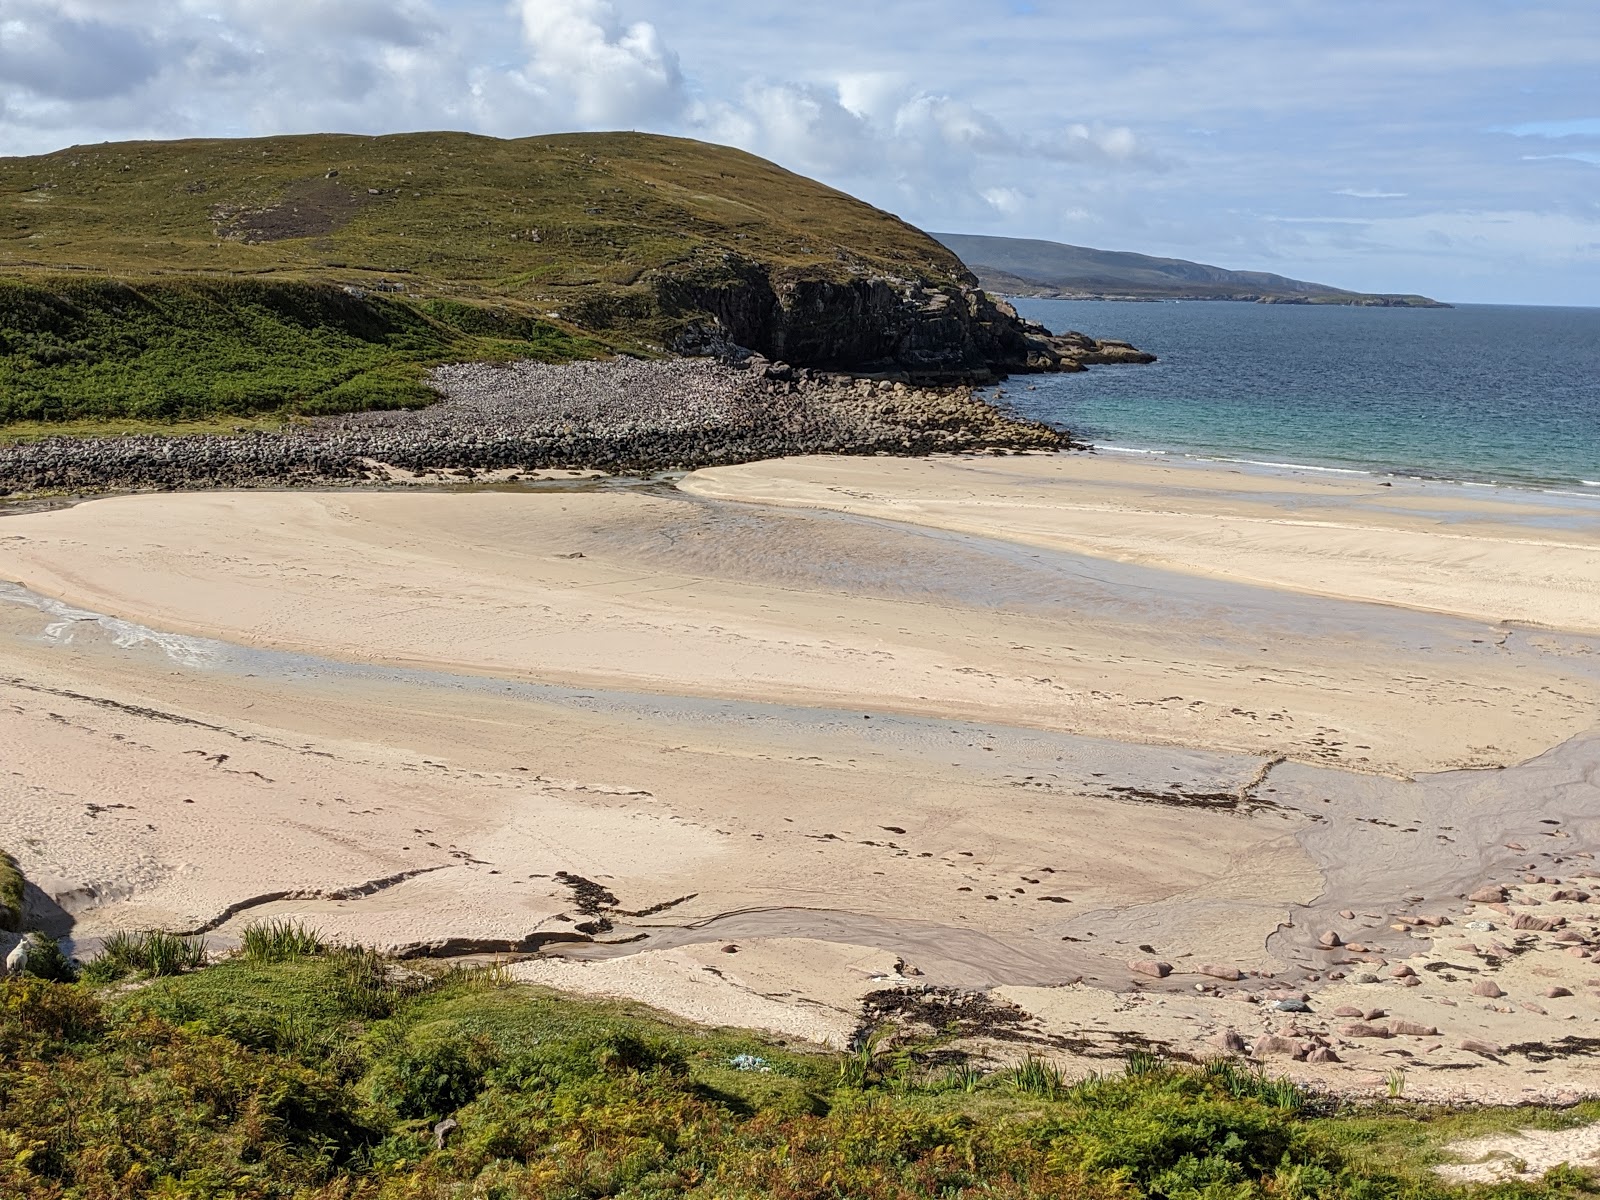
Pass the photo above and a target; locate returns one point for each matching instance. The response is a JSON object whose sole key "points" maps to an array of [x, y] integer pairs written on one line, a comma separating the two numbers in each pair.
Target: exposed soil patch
{"points": [[310, 208]]}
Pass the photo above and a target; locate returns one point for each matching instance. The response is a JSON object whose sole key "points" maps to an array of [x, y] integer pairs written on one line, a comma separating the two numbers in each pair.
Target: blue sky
{"points": [[1445, 146]]}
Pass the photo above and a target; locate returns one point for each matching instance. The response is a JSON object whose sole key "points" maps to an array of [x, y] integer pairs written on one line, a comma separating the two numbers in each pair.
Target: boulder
{"points": [[1229, 1042], [1412, 1029], [1360, 1029], [1555, 993], [1330, 940], [1219, 971], [1322, 1054], [1273, 1046], [1537, 924], [17, 958], [1487, 988], [1493, 894], [1154, 968], [1474, 1046]]}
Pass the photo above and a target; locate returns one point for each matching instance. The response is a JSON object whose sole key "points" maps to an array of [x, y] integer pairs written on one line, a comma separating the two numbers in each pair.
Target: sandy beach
{"points": [[759, 744]]}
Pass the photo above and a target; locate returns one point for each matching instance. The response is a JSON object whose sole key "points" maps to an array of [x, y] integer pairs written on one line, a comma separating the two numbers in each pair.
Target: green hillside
{"points": [[165, 281]]}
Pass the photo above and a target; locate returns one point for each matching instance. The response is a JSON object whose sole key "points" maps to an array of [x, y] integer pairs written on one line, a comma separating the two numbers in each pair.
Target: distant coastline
{"points": [[1012, 288], [1039, 270]]}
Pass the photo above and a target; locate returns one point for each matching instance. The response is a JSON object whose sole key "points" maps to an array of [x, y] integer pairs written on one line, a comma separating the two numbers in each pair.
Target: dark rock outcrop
{"points": [[870, 324]]}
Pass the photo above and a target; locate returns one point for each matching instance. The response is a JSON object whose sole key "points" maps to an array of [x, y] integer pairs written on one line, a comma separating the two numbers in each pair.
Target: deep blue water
{"points": [[1480, 392]]}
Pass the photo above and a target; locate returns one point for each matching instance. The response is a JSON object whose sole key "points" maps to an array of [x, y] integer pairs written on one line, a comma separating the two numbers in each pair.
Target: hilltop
{"points": [[163, 281], [1054, 270]]}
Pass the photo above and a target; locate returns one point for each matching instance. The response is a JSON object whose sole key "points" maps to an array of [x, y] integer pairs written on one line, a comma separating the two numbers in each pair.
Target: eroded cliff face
{"points": [[870, 324]]}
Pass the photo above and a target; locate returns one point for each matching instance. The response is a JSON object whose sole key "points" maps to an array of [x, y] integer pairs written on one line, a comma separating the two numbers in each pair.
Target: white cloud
{"points": [[1370, 194], [607, 74]]}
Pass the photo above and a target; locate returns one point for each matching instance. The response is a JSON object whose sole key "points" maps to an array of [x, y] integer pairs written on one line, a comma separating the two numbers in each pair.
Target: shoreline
{"points": [[1119, 764], [1371, 471]]}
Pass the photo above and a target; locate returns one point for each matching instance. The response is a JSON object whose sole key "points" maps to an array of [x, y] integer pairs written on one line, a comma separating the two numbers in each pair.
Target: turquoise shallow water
{"points": [[1482, 393]]}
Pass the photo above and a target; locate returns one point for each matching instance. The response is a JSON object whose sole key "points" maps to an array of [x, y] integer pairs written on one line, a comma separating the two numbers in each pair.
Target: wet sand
{"points": [[860, 748]]}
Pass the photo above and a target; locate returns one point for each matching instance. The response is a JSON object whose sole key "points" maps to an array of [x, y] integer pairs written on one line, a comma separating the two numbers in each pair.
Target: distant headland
{"points": [[1056, 271]]}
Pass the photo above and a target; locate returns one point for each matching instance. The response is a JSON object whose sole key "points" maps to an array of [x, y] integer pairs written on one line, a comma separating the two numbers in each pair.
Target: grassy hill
{"points": [[1027, 267], [164, 281]]}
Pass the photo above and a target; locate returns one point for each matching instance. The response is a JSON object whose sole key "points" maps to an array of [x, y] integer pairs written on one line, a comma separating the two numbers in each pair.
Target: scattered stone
{"points": [[1151, 967], [1348, 1010], [1294, 1006], [1412, 1029], [1360, 1029], [1363, 977], [1218, 971], [1229, 1042], [1347, 915], [1555, 993], [1330, 940], [1273, 1046], [1537, 924], [1323, 1054], [1493, 894], [1485, 1049], [1487, 988], [1400, 971], [1411, 981]]}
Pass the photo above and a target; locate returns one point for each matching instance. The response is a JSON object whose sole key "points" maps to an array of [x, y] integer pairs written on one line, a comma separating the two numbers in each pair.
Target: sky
{"points": [[1449, 147]]}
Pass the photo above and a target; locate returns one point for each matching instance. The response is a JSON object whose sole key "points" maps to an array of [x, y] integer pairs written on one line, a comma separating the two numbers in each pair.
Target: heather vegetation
{"points": [[160, 351], [297, 1069]]}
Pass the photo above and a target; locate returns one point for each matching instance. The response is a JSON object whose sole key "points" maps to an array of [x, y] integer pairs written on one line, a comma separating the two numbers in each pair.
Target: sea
{"points": [[1478, 393]]}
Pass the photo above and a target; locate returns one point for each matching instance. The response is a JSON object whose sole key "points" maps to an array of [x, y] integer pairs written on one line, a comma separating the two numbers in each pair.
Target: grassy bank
{"points": [[299, 1071], [100, 353]]}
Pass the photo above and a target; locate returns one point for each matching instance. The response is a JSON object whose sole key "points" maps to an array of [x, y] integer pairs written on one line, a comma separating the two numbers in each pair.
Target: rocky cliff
{"points": [[871, 324]]}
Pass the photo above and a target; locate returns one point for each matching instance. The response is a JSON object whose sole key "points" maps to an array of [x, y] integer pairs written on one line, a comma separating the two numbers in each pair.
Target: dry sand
{"points": [[1103, 720]]}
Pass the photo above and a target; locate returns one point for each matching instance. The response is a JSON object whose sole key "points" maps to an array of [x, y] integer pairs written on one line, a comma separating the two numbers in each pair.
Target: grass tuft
{"points": [[1036, 1077], [152, 953], [274, 941]]}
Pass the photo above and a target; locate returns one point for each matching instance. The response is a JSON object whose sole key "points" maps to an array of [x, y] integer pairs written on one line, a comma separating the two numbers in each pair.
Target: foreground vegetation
{"points": [[295, 1069]]}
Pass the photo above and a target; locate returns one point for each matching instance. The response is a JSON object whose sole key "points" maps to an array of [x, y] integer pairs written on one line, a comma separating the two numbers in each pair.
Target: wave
{"points": [[1544, 487], [66, 621]]}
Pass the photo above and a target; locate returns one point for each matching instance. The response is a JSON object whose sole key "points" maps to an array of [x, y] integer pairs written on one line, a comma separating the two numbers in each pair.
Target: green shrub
{"points": [[12, 893], [45, 960], [434, 1079]]}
